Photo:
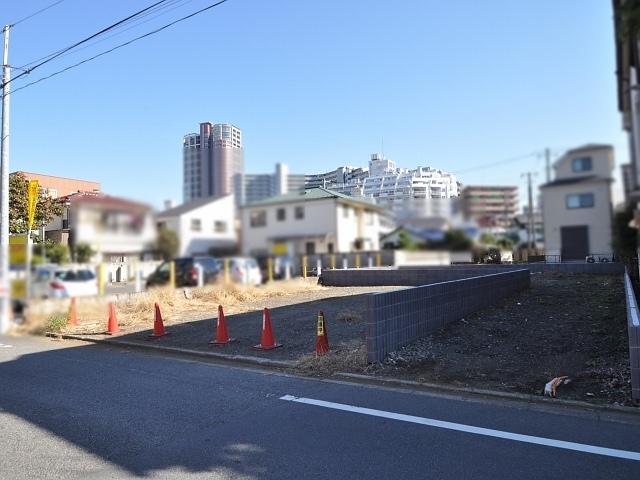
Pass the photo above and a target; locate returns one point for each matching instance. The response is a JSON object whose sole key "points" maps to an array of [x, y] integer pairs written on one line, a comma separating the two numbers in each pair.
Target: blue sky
{"points": [[454, 85]]}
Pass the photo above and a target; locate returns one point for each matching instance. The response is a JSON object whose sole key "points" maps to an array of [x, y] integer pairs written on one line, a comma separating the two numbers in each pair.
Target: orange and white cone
{"points": [[158, 324], [112, 323], [322, 341], [267, 341]]}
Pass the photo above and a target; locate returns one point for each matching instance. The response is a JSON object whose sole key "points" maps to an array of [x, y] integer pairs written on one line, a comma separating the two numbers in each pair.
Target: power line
{"points": [[35, 13], [104, 30], [148, 34], [160, 10], [500, 162]]}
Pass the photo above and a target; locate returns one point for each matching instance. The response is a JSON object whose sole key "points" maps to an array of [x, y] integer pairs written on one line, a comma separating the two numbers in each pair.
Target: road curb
{"points": [[246, 359], [522, 397]]}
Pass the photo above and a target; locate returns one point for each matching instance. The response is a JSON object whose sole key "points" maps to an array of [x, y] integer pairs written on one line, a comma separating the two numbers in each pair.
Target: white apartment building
{"points": [[577, 206], [389, 185], [205, 226], [312, 221]]}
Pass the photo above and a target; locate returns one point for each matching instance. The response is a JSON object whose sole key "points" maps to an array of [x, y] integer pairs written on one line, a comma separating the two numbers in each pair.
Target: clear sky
{"points": [[316, 84]]}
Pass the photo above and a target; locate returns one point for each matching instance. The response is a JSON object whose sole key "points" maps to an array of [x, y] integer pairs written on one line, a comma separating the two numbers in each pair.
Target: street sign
{"points": [[33, 201], [17, 250]]}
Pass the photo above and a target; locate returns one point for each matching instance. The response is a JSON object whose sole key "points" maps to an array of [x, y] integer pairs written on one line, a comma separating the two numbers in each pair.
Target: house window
{"points": [[219, 226], [196, 225], [281, 214], [258, 218], [580, 200], [299, 213], [310, 248], [582, 164]]}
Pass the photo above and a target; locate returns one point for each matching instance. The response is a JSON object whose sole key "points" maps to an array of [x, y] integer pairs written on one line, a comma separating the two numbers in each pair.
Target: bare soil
{"points": [[572, 325]]}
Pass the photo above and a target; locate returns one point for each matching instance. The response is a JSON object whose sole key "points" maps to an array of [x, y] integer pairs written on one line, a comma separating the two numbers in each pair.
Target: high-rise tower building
{"points": [[211, 158]]}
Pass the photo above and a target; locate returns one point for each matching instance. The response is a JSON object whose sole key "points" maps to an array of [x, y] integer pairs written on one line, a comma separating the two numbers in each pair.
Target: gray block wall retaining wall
{"points": [[633, 326], [415, 276], [394, 319], [405, 276]]}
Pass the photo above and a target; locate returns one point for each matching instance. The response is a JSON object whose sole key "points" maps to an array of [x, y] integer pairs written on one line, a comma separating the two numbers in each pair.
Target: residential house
{"points": [[119, 230], [577, 206], [204, 226], [312, 221]]}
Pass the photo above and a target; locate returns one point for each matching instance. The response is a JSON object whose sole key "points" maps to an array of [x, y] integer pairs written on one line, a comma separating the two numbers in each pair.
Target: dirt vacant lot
{"points": [[572, 325]]}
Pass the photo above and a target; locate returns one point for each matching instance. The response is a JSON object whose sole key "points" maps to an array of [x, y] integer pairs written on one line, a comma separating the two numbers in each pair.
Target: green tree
{"points": [[505, 243], [405, 242], [167, 243], [487, 239], [83, 253], [457, 241], [625, 238], [46, 208], [57, 253]]}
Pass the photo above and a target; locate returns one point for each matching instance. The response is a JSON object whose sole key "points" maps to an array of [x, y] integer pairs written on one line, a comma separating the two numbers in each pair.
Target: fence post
{"points": [[270, 269], [370, 262], [304, 266], [319, 266], [333, 262], [378, 260], [101, 278], [287, 270], [200, 271], [345, 263], [138, 274], [226, 270], [357, 260], [172, 274]]}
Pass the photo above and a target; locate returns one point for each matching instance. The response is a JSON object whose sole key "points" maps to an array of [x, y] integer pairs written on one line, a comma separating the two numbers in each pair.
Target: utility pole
{"points": [[531, 226], [4, 187], [547, 158]]}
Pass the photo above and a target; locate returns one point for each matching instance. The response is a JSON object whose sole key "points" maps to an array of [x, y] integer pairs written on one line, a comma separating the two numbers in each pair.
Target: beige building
{"points": [[577, 206], [55, 187], [490, 205]]}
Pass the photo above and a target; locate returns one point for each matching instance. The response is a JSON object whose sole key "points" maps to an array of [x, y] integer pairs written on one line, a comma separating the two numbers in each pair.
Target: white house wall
{"points": [[598, 218]]}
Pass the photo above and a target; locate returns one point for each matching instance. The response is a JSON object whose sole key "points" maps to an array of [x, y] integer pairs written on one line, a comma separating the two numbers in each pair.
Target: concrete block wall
{"points": [[403, 276], [394, 319], [633, 326], [612, 268]]}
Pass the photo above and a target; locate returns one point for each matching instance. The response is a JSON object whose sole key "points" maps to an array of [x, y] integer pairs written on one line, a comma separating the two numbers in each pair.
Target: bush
{"points": [[56, 322]]}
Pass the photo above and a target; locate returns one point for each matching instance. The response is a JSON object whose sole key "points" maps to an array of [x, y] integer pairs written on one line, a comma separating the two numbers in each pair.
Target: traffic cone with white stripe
{"points": [[322, 341], [267, 341]]}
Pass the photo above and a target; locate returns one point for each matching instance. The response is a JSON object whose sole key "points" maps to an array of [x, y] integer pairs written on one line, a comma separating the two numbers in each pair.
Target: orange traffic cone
{"points": [[112, 324], [72, 318], [322, 341], [158, 324], [222, 335], [267, 342]]}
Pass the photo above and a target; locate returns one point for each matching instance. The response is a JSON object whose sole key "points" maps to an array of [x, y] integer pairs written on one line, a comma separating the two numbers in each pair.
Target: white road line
{"points": [[4, 345], [549, 442]]}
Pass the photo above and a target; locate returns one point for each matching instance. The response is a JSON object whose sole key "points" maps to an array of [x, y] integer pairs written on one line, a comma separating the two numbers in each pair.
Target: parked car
{"points": [[54, 281], [186, 272], [243, 270]]}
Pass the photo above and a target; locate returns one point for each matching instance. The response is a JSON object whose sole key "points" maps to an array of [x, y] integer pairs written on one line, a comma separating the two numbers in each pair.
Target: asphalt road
{"points": [[71, 410]]}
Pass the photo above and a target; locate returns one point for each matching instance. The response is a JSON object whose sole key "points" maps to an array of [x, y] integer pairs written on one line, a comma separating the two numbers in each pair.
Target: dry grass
{"points": [[346, 358], [137, 310]]}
